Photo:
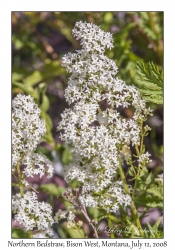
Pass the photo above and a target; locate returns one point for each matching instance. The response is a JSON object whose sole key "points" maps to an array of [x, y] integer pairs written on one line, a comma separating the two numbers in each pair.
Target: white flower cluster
{"points": [[97, 134], [144, 159], [69, 216], [92, 38], [31, 213], [27, 130], [47, 233], [159, 178], [37, 164]]}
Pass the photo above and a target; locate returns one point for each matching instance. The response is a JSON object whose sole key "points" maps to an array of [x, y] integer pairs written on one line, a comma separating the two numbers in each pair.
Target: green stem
{"points": [[142, 138], [29, 234], [133, 208], [110, 227], [79, 230], [141, 144], [84, 212], [16, 179], [139, 152], [135, 185], [20, 183]]}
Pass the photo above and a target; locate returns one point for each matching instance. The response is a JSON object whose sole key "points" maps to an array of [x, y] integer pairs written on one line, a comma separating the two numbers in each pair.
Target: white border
{"points": [[5, 96]]}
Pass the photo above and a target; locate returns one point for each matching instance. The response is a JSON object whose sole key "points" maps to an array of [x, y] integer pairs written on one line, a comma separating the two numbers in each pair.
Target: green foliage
{"points": [[154, 231], [66, 157], [65, 153], [52, 189], [93, 212], [19, 233], [150, 194], [150, 82], [45, 151], [74, 233], [150, 23]]}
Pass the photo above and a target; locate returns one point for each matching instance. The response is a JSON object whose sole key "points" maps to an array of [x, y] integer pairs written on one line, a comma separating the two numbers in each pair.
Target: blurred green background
{"points": [[40, 39]]}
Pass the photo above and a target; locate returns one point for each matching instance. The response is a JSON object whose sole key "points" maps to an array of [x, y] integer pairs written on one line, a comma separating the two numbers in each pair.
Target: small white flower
{"points": [[68, 215], [44, 234], [80, 223], [37, 164], [144, 158], [31, 213], [93, 126], [159, 178], [27, 127], [27, 130]]}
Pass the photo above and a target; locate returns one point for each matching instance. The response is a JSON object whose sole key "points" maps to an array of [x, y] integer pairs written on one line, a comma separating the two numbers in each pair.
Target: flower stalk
{"points": [[100, 137], [133, 208]]}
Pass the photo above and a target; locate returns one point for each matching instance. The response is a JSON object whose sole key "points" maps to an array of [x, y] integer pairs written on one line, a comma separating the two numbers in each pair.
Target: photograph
{"points": [[87, 125]]}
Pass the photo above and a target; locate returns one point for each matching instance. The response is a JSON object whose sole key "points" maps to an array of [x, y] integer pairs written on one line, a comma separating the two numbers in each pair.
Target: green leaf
{"points": [[93, 212], [43, 100], [151, 230], [155, 190], [62, 233], [113, 218], [44, 106], [58, 147], [15, 184], [48, 121], [19, 233], [47, 137], [17, 76], [100, 214], [156, 225], [66, 157], [108, 17], [140, 185], [44, 151], [17, 42], [149, 82], [148, 200], [133, 229], [131, 172], [52, 189], [73, 233], [34, 78], [146, 234], [149, 178], [27, 89], [48, 71], [150, 73]]}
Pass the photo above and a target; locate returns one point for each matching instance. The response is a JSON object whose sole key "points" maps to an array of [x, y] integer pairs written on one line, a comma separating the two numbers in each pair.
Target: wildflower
{"points": [[27, 130], [69, 215], [27, 127], [80, 223], [31, 213], [144, 159], [97, 136], [159, 178]]}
